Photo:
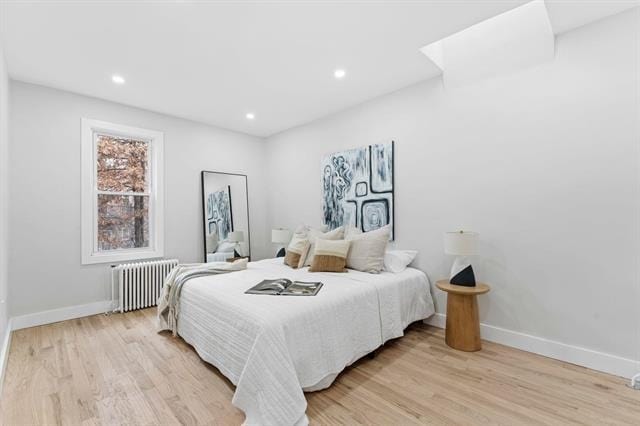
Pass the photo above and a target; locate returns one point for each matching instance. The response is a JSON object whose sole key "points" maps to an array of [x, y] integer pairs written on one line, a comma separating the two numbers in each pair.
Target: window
{"points": [[122, 193]]}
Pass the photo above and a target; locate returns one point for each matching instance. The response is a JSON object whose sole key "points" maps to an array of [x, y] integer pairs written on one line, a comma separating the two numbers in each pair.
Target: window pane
{"points": [[123, 222], [122, 164]]}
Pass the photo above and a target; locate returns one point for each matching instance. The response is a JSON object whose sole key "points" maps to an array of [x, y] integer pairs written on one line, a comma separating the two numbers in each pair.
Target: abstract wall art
{"points": [[357, 187], [219, 213]]}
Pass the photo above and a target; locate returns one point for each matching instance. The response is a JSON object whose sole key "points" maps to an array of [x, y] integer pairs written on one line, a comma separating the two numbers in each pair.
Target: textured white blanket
{"points": [[274, 347], [168, 303]]}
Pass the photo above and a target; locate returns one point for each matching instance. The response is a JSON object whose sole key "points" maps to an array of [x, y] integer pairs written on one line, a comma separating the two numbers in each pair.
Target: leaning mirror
{"points": [[226, 216]]}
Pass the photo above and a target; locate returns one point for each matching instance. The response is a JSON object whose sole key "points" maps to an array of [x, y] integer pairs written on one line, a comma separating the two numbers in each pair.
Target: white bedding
{"points": [[273, 347], [219, 256]]}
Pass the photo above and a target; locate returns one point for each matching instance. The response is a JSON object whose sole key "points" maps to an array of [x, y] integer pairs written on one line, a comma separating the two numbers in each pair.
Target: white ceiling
{"points": [[215, 61]]}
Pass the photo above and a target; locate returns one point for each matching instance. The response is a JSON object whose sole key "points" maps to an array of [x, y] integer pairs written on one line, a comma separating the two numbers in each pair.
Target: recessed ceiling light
{"points": [[117, 79], [250, 116], [339, 74]]}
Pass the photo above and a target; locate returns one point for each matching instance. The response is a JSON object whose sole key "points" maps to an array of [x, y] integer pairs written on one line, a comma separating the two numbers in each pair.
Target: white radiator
{"points": [[140, 283]]}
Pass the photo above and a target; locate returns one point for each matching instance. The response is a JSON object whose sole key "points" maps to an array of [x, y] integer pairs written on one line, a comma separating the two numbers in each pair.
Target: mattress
{"points": [[275, 347]]}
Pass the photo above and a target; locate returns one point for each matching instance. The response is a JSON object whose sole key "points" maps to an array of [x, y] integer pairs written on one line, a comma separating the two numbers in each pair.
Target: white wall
{"points": [[45, 192], [4, 193], [543, 163]]}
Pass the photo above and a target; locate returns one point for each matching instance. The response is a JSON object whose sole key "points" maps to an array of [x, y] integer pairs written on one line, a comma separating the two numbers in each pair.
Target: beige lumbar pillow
{"points": [[367, 250], [330, 256], [296, 251], [315, 234]]}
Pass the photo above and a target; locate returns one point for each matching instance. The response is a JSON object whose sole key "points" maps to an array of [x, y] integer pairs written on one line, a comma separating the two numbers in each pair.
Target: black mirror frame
{"points": [[204, 209]]}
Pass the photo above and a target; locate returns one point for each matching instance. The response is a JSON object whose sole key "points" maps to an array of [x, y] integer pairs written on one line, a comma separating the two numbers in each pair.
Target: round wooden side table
{"points": [[463, 324]]}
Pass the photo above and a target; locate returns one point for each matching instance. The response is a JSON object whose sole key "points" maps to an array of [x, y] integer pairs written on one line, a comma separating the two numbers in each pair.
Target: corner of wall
{"points": [[5, 325]]}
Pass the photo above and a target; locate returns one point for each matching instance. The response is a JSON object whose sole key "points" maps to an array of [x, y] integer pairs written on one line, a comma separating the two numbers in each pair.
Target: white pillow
{"points": [[366, 252], [225, 247], [212, 243], [296, 251], [397, 260], [314, 234], [350, 231], [302, 230]]}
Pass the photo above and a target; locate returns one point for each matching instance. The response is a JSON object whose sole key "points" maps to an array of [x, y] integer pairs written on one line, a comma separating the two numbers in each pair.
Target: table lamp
{"points": [[461, 244], [236, 237], [281, 237]]}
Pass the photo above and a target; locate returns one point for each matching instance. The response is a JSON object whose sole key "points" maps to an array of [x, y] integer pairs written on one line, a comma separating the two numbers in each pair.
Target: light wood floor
{"points": [[117, 370]]}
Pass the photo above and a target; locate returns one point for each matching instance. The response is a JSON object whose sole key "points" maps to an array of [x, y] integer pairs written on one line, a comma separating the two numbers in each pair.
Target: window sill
{"points": [[121, 256]]}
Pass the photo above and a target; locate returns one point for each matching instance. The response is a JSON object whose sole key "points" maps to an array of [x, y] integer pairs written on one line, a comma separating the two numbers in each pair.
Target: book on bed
{"points": [[285, 287]]}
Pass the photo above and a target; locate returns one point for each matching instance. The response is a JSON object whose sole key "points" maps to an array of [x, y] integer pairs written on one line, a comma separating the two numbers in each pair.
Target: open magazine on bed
{"points": [[285, 287]]}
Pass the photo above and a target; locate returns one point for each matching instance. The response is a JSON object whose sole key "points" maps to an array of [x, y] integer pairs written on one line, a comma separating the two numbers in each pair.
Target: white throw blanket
{"points": [[168, 304]]}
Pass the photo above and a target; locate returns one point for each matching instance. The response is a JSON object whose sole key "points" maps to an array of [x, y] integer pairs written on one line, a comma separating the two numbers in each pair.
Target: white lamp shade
{"points": [[461, 243], [236, 236], [280, 236]]}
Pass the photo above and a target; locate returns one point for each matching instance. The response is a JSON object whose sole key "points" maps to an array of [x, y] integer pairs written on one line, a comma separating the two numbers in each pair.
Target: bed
{"points": [[272, 348]]}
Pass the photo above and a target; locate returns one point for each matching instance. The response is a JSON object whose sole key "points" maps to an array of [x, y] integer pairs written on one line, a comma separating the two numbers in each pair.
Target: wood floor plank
{"points": [[115, 369]]}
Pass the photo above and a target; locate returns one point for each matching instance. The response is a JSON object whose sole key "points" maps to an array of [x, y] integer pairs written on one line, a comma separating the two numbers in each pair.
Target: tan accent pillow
{"points": [[314, 234], [330, 256], [296, 251], [367, 250]]}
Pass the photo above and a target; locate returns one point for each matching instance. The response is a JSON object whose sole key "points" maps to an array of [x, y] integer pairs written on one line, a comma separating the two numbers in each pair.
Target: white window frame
{"points": [[89, 196]]}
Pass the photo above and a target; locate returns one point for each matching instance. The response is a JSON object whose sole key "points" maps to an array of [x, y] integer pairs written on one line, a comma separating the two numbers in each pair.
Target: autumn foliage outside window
{"points": [[123, 193]]}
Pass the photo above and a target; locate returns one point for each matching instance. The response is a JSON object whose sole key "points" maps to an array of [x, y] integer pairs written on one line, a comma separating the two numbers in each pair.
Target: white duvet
{"points": [[274, 347]]}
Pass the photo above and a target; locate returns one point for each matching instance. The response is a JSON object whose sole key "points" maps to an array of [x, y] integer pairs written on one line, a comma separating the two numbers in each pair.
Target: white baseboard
{"points": [[594, 360], [4, 352], [61, 314]]}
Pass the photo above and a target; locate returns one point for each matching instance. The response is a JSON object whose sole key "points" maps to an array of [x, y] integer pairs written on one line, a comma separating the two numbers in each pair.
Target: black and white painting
{"points": [[357, 187], [219, 213]]}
